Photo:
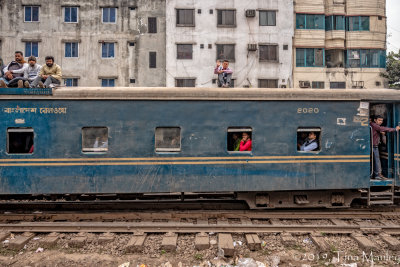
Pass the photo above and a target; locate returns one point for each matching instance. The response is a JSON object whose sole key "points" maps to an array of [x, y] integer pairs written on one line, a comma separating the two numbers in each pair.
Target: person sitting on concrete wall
{"points": [[1, 67], [30, 72], [49, 74], [224, 74], [13, 80]]}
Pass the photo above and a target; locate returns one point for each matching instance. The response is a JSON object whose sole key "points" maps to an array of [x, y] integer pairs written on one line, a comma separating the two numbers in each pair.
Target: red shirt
{"points": [[245, 146]]}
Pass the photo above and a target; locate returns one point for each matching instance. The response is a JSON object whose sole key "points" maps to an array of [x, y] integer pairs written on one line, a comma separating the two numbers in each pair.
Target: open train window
{"points": [[308, 139], [94, 139], [168, 139], [234, 137], [20, 140]]}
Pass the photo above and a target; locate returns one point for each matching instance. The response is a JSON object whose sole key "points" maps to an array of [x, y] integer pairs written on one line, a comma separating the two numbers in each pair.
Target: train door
{"points": [[396, 158], [388, 145]]}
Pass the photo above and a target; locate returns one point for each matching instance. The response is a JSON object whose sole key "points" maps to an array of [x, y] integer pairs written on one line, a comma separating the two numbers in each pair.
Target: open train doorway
{"points": [[383, 143], [396, 158]]}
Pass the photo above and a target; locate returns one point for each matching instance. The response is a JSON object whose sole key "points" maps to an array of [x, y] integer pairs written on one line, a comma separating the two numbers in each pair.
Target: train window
{"points": [[236, 135], [168, 139], [20, 140], [308, 139], [94, 139]]}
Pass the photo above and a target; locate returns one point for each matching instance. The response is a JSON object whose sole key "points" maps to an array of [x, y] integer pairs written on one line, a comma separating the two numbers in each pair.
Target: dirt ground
{"points": [[344, 252]]}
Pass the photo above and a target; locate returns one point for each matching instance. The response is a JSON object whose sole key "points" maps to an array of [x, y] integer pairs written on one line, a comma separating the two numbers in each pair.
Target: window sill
{"points": [[226, 26], [268, 61], [240, 152]]}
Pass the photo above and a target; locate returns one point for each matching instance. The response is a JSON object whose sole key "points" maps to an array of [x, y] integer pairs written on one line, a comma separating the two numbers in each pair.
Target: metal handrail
{"points": [[372, 151], [397, 152]]}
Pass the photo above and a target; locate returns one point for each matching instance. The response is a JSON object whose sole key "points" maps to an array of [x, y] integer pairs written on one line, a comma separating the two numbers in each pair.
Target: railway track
{"points": [[203, 221], [209, 230]]}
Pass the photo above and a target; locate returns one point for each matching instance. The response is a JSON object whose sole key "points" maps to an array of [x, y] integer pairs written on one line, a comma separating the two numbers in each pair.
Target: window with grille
{"points": [[185, 82], [318, 85], [184, 51], [267, 18], [185, 17], [226, 18], [152, 60], [268, 83], [226, 51], [268, 52], [310, 21], [338, 85], [310, 57], [152, 22]]}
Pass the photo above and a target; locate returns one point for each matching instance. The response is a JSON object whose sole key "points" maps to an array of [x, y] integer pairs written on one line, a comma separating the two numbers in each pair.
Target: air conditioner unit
{"points": [[358, 84], [250, 13], [252, 47], [304, 84]]}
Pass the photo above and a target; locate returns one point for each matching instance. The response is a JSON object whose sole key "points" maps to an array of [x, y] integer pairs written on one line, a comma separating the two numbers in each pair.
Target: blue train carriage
{"points": [[164, 141]]}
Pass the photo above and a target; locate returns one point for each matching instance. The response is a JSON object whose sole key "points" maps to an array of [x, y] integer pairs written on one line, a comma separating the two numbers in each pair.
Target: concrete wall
{"points": [[130, 62], [247, 67]]}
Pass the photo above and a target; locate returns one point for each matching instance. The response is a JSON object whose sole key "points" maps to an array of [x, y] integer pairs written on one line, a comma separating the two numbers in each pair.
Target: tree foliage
{"points": [[393, 69]]}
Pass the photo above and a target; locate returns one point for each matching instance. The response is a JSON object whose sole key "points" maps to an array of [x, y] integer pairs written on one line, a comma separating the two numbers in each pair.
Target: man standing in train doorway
{"points": [[377, 129]]}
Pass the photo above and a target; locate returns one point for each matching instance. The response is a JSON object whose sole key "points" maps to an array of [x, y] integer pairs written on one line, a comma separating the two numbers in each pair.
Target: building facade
{"points": [[149, 43], [255, 36], [97, 43], [339, 44]]}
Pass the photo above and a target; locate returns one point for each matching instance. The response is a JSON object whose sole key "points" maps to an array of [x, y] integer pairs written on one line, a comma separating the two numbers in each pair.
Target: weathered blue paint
{"points": [[381, 182], [26, 91], [396, 157], [204, 124]]}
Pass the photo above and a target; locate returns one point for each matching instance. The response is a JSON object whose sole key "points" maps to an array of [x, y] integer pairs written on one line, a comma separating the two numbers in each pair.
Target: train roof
{"points": [[182, 93]]}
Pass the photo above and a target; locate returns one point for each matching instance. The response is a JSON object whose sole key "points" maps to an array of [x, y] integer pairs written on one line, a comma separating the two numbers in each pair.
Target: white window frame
{"points": [[101, 50], [240, 129], [168, 149], [19, 130], [94, 149], [25, 52], [73, 78], [31, 14], [65, 46], [77, 14], [116, 15]]}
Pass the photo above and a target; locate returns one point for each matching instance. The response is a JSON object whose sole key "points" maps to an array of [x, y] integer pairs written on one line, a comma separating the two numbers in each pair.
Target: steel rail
{"points": [[204, 214], [151, 227]]}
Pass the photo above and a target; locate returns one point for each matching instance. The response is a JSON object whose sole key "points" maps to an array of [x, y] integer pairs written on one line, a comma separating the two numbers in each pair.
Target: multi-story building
{"points": [[285, 43], [97, 43], [255, 36], [339, 44]]}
